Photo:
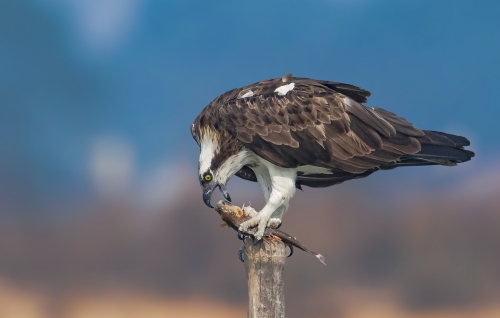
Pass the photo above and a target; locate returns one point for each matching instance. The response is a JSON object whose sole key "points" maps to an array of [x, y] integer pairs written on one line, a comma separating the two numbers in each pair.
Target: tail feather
{"points": [[430, 152], [437, 148], [458, 140], [443, 139]]}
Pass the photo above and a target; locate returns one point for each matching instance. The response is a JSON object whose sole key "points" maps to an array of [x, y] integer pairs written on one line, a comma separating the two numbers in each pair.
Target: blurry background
{"points": [[100, 210]]}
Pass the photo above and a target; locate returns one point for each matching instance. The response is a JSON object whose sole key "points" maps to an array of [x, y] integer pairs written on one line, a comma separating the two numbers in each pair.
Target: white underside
{"points": [[278, 186], [276, 183]]}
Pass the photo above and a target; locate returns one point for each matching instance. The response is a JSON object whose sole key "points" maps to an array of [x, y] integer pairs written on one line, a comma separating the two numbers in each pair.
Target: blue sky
{"points": [[77, 73]]}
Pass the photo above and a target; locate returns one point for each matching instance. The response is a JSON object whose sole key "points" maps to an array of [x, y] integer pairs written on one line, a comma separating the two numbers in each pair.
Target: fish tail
{"points": [[320, 257]]}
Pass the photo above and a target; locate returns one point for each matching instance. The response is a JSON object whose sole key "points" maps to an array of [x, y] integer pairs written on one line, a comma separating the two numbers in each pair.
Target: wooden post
{"points": [[264, 266]]}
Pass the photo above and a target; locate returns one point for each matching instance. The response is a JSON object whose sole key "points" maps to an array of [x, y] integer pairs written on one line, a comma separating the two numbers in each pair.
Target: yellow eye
{"points": [[208, 177]]}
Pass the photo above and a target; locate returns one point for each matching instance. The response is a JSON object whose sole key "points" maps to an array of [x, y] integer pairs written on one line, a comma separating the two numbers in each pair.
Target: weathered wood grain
{"points": [[265, 266]]}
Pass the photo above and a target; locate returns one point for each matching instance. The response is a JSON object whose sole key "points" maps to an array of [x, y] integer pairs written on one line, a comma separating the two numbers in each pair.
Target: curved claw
{"points": [[254, 240], [240, 255], [225, 193], [241, 236], [291, 250]]}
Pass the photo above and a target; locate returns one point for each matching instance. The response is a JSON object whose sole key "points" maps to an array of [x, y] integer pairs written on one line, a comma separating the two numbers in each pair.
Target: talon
{"points": [[240, 254], [255, 240], [291, 250], [241, 236]]}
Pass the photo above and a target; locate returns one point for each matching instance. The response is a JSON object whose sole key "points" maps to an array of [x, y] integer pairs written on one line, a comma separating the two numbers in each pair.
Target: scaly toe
{"points": [[244, 226], [258, 236], [274, 223], [250, 223], [248, 210], [260, 231]]}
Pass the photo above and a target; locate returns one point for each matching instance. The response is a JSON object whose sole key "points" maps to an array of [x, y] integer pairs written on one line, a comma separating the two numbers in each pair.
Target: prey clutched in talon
{"points": [[235, 216], [260, 223], [256, 221]]}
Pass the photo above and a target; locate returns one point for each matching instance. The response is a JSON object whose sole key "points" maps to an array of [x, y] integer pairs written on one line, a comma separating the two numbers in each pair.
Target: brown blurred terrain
{"points": [[100, 209], [393, 249]]}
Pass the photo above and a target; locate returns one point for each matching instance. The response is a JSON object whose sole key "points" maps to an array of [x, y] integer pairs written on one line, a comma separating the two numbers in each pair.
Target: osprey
{"points": [[290, 132]]}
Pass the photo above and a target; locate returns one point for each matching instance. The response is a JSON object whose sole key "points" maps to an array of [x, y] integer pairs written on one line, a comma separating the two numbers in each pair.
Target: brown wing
{"points": [[315, 125]]}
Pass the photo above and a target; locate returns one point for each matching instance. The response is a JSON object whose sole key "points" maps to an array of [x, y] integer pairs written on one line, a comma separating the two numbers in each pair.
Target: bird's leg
{"points": [[278, 186], [277, 216], [260, 220], [276, 206], [274, 222]]}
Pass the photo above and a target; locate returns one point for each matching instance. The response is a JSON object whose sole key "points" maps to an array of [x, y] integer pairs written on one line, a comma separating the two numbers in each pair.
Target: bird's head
{"points": [[209, 183], [218, 162]]}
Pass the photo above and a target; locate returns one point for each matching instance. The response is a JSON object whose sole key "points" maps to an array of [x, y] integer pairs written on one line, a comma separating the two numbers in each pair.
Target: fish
{"points": [[233, 216]]}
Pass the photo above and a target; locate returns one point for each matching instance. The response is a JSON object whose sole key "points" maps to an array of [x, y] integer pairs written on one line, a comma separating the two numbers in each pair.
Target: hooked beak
{"points": [[207, 195]]}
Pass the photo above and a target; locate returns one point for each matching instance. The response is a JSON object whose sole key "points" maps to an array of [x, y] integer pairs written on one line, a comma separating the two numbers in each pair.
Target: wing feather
{"points": [[324, 124], [318, 123]]}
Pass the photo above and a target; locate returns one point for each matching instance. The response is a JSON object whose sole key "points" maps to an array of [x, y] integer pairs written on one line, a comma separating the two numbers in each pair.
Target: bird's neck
{"points": [[233, 164]]}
